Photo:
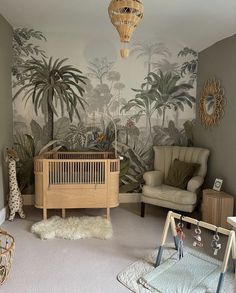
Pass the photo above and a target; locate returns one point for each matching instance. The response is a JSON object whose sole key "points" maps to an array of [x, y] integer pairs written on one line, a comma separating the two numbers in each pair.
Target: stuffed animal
{"points": [[15, 201]]}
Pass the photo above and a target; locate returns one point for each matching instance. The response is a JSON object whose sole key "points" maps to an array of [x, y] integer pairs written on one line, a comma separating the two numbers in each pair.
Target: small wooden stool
{"points": [[216, 207]]}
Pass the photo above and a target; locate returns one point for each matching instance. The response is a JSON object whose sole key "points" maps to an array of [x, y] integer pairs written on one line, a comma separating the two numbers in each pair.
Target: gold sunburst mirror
{"points": [[212, 101]]}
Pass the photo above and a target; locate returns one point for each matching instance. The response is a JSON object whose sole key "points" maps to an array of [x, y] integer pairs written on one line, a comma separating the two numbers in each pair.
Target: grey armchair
{"points": [[156, 192]]}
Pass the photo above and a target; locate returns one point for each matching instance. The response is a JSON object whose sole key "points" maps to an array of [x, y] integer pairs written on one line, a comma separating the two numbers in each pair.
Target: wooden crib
{"points": [[65, 180]]}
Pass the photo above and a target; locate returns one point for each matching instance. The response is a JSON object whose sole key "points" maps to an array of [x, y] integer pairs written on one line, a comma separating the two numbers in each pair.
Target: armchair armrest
{"points": [[153, 178], [195, 183]]}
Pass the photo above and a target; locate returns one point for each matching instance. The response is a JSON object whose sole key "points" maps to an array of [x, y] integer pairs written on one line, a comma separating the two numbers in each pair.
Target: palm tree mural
{"points": [[145, 102], [50, 85], [148, 51], [166, 66], [169, 92], [23, 49], [99, 68], [190, 66], [119, 86], [101, 95]]}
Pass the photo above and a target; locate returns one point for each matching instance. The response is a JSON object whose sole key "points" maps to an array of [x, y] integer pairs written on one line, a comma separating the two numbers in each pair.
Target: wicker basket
{"points": [[7, 248]]}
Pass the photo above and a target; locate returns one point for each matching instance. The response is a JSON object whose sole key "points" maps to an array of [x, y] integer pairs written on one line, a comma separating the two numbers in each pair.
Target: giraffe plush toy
{"points": [[15, 201]]}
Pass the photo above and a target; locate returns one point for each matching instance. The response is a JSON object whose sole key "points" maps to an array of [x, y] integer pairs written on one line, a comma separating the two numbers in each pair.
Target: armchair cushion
{"points": [[195, 183], [180, 173], [170, 194], [153, 178]]}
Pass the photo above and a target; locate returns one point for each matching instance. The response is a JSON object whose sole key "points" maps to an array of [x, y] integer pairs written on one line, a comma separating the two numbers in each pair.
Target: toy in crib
{"points": [[200, 272]]}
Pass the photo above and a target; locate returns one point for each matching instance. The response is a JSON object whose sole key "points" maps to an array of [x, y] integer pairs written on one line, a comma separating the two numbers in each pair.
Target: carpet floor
{"points": [[85, 265]]}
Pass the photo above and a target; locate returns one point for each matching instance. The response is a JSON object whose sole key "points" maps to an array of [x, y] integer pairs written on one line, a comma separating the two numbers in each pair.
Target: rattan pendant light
{"points": [[125, 15]]}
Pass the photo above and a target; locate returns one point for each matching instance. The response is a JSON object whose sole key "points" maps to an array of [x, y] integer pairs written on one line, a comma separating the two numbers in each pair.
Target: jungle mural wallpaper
{"points": [[61, 106]]}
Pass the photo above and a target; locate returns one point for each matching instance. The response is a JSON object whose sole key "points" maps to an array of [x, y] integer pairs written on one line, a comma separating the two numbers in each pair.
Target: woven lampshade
{"points": [[125, 15]]}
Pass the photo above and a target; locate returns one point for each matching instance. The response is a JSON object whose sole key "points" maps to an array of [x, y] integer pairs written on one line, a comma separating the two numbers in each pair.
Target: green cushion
{"points": [[180, 173]]}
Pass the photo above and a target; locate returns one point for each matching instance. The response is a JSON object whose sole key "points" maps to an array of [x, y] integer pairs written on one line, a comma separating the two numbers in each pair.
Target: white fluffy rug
{"points": [[73, 228]]}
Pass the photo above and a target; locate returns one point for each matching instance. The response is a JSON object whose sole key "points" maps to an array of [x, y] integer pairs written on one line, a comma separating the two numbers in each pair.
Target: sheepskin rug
{"points": [[73, 228]]}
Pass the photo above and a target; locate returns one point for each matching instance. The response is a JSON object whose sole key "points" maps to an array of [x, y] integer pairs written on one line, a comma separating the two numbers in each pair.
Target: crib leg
{"points": [[108, 213], [63, 213], [45, 214]]}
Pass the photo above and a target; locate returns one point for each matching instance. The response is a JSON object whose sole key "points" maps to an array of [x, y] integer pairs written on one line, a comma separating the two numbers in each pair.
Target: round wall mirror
{"points": [[209, 104], [212, 102]]}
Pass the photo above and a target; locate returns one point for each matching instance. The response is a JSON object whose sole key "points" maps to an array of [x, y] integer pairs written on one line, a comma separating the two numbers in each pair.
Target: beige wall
{"points": [[6, 117], [219, 61]]}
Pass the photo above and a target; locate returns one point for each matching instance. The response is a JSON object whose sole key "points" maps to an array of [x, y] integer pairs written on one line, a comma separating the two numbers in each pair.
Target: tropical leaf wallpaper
{"points": [[69, 96]]}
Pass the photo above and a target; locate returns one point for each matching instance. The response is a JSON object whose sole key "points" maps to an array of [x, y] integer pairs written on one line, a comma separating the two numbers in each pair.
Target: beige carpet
{"points": [[84, 265]]}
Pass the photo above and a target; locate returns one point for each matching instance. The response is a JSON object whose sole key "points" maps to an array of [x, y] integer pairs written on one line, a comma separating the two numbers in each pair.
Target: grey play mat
{"points": [[195, 273]]}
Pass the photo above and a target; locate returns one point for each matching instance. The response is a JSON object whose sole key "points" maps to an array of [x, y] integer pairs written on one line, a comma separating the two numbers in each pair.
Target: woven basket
{"points": [[7, 248]]}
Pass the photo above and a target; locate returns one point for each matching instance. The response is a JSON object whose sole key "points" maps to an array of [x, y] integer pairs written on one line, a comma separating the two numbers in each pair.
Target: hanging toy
{"points": [[197, 237], [181, 236], [214, 244]]}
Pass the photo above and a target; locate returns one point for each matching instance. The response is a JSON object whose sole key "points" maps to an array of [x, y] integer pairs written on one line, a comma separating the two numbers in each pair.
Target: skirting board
{"points": [[123, 198], [3, 213], [129, 197]]}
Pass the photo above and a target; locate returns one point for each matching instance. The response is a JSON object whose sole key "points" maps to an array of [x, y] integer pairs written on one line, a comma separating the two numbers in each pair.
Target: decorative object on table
{"points": [[15, 201], [65, 180], [212, 101], [216, 246], [197, 237], [216, 207], [73, 228], [218, 184], [157, 192], [125, 15], [7, 248], [181, 237]]}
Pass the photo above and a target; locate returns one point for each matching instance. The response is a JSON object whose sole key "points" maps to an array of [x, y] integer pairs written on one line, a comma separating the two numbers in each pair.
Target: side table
{"points": [[216, 207]]}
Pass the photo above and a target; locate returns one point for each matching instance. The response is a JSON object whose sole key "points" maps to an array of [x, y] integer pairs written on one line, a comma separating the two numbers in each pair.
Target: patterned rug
{"points": [[134, 273], [73, 228]]}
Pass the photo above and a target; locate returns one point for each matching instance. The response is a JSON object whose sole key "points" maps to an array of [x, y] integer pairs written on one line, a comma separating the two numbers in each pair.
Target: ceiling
{"points": [[195, 23]]}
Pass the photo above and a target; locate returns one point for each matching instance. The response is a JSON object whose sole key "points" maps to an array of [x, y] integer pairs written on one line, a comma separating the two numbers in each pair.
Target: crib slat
{"points": [[77, 172], [54, 173], [88, 176], [62, 173], [82, 172], [93, 172], [99, 172]]}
